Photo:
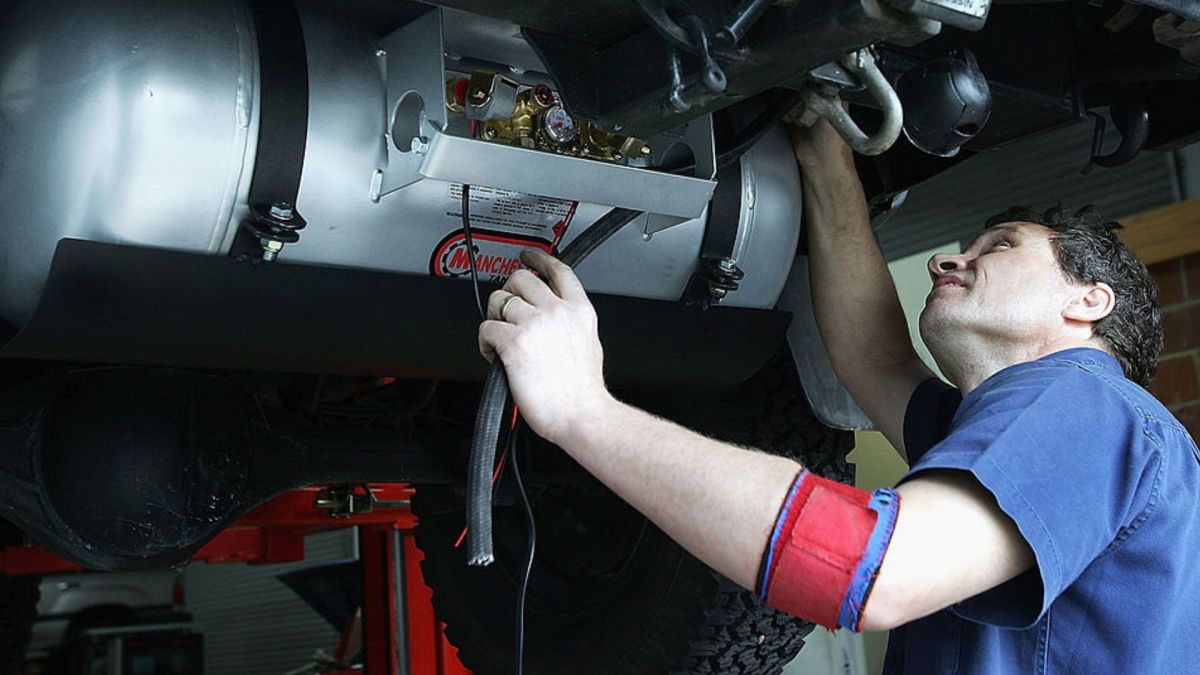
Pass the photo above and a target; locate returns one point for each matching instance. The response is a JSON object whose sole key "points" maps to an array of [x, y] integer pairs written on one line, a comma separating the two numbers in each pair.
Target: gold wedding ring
{"points": [[504, 307]]}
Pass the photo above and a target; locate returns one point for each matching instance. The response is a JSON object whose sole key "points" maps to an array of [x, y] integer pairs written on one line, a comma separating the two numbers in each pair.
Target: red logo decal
{"points": [[496, 254]]}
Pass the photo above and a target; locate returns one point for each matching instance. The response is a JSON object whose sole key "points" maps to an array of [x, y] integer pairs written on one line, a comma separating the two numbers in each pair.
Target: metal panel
{"points": [[254, 624], [197, 314], [466, 160], [123, 122], [420, 146], [1039, 171]]}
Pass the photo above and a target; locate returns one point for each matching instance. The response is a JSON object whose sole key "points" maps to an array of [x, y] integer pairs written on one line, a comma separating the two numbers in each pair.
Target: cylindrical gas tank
{"points": [[137, 122]]}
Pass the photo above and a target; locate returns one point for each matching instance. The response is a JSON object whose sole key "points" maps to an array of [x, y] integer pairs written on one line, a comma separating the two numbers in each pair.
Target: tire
{"points": [[18, 610], [618, 596]]}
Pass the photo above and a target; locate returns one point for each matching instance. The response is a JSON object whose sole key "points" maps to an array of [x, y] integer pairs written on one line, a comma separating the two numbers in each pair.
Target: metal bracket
{"points": [[822, 100], [964, 14], [420, 146], [343, 501], [697, 137], [414, 74]]}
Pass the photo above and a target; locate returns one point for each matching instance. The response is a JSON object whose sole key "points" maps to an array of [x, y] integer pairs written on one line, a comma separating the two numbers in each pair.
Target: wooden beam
{"points": [[1165, 233]]}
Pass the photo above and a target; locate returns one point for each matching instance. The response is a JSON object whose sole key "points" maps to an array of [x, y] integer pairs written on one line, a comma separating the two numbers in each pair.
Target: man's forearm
{"points": [[716, 500], [854, 298], [853, 293]]}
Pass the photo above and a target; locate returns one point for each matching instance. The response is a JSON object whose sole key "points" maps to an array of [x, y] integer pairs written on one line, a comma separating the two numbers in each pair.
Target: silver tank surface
{"points": [[135, 122]]}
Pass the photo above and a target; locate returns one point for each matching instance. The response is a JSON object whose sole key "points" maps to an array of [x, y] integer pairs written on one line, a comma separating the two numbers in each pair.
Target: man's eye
{"points": [[1001, 243]]}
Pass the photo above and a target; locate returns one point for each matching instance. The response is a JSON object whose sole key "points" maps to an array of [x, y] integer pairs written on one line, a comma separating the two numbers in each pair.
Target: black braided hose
{"points": [[494, 402]]}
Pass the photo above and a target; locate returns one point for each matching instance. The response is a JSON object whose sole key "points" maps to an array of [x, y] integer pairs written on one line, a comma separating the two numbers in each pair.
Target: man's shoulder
{"points": [[1087, 374], [1080, 388]]}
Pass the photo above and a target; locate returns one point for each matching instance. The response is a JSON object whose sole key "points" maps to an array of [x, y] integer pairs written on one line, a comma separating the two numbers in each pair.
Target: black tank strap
{"points": [[283, 109]]}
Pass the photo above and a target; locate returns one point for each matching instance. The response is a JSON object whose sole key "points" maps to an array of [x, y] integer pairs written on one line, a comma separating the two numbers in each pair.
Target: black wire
{"points": [[470, 241], [532, 529], [581, 251]]}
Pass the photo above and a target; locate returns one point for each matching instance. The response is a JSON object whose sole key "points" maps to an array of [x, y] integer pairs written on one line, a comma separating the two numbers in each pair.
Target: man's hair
{"points": [[1088, 251]]}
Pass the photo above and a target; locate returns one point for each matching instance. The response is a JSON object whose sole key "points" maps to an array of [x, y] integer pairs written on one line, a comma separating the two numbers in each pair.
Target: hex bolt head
{"points": [[419, 145], [282, 211], [726, 265]]}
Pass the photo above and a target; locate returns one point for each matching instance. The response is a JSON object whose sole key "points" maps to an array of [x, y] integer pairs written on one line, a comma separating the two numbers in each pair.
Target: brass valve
{"points": [[538, 121]]}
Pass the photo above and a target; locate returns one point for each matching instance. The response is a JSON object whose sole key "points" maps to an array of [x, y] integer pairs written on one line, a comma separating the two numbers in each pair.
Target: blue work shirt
{"points": [[1104, 485]]}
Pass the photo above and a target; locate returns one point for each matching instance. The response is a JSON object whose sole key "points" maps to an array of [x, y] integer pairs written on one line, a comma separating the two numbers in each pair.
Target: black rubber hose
{"points": [[494, 401], [490, 417], [608, 225]]}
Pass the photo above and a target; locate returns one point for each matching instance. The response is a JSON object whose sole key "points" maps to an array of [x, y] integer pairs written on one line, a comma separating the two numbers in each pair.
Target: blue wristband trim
{"points": [[779, 522], [885, 503]]}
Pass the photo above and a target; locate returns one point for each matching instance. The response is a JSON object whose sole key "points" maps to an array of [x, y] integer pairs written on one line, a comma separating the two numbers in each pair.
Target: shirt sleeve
{"points": [[927, 417], [1064, 454]]}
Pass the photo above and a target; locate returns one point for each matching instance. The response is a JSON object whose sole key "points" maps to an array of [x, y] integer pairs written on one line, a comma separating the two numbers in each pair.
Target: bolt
{"points": [[726, 265], [419, 145], [282, 211], [489, 133], [271, 249]]}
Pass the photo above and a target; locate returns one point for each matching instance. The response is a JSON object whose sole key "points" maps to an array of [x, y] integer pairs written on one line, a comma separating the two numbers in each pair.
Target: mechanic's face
{"points": [[1006, 286]]}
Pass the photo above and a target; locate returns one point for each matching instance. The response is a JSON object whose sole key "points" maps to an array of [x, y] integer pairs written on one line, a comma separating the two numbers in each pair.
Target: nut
{"points": [[282, 211]]}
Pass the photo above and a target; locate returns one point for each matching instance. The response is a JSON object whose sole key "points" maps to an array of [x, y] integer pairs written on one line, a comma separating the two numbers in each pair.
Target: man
{"points": [[1047, 524]]}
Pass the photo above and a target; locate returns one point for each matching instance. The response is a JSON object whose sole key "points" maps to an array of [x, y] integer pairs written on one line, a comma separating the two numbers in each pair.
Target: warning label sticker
{"points": [[502, 224]]}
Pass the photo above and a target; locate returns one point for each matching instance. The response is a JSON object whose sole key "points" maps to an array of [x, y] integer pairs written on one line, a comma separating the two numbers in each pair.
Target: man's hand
{"points": [[544, 331], [818, 146]]}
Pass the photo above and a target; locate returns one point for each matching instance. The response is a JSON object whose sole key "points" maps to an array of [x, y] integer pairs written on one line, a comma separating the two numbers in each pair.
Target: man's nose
{"points": [[946, 262]]}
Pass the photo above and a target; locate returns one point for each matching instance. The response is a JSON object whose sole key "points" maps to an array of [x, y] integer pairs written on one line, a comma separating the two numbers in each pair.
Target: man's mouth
{"points": [[948, 280]]}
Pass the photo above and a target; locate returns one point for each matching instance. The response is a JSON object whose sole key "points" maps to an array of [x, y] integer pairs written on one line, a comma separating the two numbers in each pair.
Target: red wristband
{"points": [[826, 550]]}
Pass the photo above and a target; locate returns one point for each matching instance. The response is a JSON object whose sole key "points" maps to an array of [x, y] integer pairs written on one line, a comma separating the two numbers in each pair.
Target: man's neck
{"points": [[968, 363]]}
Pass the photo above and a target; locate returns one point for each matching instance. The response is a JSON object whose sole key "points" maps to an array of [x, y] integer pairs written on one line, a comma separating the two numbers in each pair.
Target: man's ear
{"points": [[1092, 303]]}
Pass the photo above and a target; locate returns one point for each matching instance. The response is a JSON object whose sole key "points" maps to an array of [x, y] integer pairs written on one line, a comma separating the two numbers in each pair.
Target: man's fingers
{"points": [[505, 306], [532, 289], [494, 337], [495, 301], [560, 276]]}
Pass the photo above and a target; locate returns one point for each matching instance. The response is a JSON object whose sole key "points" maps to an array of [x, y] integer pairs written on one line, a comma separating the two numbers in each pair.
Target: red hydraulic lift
{"points": [[400, 633]]}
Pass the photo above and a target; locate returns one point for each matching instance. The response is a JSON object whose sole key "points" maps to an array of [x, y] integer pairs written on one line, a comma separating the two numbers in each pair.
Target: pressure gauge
{"points": [[558, 125]]}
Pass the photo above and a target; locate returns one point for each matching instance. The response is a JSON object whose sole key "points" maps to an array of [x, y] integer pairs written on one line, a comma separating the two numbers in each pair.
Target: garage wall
{"points": [[1177, 384], [252, 623], [1039, 171]]}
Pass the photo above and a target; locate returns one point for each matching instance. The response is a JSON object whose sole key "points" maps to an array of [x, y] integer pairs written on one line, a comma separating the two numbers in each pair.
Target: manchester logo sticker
{"points": [[502, 224]]}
